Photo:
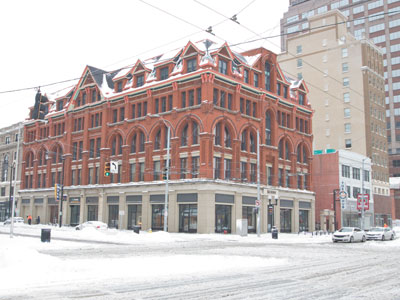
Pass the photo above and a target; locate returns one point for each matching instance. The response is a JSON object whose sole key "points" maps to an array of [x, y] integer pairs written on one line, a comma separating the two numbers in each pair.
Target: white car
{"points": [[349, 234], [380, 233], [16, 221], [92, 224]]}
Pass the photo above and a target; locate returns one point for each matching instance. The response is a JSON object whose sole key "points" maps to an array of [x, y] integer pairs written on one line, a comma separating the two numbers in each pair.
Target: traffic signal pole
{"points": [[166, 183]]}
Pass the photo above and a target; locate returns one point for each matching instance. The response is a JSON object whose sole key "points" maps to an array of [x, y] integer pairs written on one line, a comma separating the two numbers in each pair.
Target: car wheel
{"points": [[391, 237], [383, 237], [351, 239], [363, 239]]}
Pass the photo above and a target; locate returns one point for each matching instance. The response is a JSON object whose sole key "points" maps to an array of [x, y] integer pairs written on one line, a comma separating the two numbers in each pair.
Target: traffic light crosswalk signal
{"points": [[107, 169]]}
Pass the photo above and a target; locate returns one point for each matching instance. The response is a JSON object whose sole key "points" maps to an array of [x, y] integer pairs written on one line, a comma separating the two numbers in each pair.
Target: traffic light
{"points": [[165, 173], [107, 169]]}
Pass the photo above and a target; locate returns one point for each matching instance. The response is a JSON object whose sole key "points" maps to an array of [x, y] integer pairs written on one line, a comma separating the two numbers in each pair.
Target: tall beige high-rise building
{"points": [[347, 92]]}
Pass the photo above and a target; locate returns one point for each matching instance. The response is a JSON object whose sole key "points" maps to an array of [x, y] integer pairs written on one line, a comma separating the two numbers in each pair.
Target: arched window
{"points": [[116, 145], [217, 134], [280, 147], [141, 144], [40, 158], [133, 143], [195, 135], [267, 76], [157, 140], [305, 154], [56, 155], [184, 135], [299, 153], [252, 143], [267, 128], [243, 145], [227, 138], [287, 157]]}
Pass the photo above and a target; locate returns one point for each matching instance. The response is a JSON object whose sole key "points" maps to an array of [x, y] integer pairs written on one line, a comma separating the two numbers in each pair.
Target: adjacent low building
{"points": [[9, 137], [341, 177]]}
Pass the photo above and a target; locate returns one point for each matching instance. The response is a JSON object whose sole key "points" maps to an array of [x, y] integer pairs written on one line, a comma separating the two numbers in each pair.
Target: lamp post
{"points": [[166, 182], [334, 207], [362, 195]]}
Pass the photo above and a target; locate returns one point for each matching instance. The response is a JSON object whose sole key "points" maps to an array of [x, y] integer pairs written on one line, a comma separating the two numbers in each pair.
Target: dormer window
{"points": [[164, 73], [191, 65], [94, 96], [302, 97], [119, 86], [60, 105], [139, 80], [246, 76], [223, 67], [255, 79], [267, 76], [83, 98]]}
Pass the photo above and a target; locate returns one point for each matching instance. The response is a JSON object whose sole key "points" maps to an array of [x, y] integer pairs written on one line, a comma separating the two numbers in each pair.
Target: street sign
{"points": [[360, 198], [57, 191], [343, 199], [258, 203], [114, 167]]}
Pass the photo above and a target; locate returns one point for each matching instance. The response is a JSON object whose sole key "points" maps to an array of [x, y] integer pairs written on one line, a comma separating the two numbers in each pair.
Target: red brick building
{"points": [[214, 101]]}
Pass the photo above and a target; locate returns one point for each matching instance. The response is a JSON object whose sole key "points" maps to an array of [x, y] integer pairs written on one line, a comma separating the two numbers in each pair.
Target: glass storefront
{"points": [[188, 218], [223, 217], [303, 220], [134, 215], [75, 212], [286, 220], [248, 212], [93, 212], [113, 216], [53, 214], [157, 217]]}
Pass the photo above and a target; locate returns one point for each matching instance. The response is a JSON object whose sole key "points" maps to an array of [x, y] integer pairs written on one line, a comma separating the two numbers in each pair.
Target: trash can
{"points": [[274, 232], [45, 236], [136, 229]]}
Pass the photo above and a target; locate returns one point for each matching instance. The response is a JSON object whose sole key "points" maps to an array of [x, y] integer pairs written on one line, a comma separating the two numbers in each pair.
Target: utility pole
{"points": [[258, 186], [62, 191], [166, 183], [15, 183]]}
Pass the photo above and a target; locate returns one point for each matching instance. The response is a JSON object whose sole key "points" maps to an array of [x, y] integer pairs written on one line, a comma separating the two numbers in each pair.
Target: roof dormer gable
{"points": [[225, 51]]}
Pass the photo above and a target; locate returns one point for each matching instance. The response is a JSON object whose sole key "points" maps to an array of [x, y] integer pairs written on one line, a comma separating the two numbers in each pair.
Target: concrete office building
{"points": [[346, 85]]}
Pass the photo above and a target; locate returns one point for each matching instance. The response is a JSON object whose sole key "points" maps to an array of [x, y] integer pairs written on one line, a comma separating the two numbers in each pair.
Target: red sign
{"points": [[360, 199]]}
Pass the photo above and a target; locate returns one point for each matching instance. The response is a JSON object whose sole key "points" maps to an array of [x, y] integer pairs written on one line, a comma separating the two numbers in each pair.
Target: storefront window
{"points": [[75, 209], [303, 220], [134, 215], [93, 212], [157, 217], [248, 212], [113, 216], [223, 217], [188, 218], [286, 220]]}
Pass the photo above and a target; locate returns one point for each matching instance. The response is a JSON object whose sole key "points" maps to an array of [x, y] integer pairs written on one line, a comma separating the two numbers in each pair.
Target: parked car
{"points": [[92, 224], [16, 220], [380, 233], [349, 234]]}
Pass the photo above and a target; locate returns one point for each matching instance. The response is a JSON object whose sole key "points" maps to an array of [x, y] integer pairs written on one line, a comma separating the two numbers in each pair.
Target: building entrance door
{"points": [[113, 216]]}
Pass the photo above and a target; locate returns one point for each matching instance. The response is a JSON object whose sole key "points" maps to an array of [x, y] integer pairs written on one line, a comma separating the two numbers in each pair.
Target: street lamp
{"points": [[166, 182], [15, 183], [335, 191]]}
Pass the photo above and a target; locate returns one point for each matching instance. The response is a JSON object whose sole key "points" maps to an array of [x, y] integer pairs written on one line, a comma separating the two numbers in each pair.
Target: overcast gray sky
{"points": [[47, 41]]}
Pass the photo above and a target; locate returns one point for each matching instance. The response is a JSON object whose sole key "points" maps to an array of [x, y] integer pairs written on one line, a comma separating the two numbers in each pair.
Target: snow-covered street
{"points": [[111, 264]]}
